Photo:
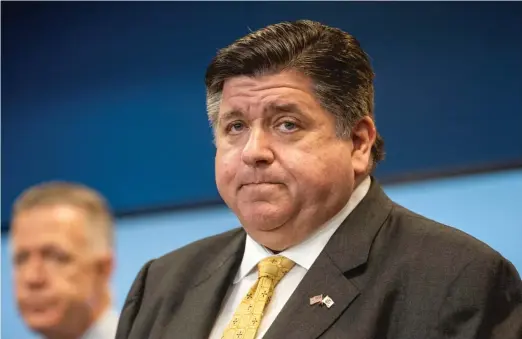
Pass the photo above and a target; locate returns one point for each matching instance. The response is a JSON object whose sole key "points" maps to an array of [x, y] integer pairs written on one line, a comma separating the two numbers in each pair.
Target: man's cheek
{"points": [[71, 287]]}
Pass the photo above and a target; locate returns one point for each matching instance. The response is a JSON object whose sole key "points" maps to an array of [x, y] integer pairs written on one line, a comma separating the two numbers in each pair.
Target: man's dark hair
{"points": [[334, 60]]}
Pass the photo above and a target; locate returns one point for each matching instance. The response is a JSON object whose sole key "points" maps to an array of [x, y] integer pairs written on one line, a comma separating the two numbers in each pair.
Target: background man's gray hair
{"points": [[100, 220], [334, 60]]}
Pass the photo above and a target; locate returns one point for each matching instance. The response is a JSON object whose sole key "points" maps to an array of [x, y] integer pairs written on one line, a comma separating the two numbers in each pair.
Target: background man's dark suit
{"points": [[390, 272]]}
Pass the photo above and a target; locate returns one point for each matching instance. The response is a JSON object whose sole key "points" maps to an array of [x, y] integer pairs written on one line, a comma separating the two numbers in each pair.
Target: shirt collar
{"points": [[305, 253], [104, 327]]}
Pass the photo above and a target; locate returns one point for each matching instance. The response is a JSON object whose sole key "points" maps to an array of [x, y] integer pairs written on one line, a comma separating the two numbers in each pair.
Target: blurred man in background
{"points": [[62, 246]]}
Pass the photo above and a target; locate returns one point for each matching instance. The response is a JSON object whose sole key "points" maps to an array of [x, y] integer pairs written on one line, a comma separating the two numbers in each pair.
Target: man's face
{"points": [[55, 272], [279, 163]]}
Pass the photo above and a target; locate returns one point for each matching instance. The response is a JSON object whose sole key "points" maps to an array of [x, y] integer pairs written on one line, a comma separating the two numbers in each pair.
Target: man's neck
{"points": [[80, 328], [101, 308], [359, 179]]}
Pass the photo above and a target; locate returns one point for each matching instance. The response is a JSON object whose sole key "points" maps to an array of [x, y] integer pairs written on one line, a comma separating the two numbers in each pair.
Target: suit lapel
{"points": [[347, 250], [201, 303], [299, 319]]}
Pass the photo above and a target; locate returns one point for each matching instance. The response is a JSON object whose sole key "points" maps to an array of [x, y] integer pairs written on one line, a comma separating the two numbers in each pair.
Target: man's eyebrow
{"points": [[274, 107], [230, 115]]}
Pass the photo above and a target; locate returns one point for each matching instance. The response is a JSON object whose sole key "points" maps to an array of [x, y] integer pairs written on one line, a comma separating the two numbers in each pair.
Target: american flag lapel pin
{"points": [[316, 299], [328, 301]]}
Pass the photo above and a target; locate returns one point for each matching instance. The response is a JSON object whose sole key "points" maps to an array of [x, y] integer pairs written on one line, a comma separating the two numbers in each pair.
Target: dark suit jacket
{"points": [[391, 273]]}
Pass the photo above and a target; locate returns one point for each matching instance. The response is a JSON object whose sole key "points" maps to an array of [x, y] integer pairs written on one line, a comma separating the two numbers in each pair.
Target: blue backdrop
{"points": [[111, 94]]}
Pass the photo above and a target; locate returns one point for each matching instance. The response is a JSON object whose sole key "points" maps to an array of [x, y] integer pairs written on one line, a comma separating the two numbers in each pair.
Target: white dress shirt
{"points": [[104, 328], [303, 254]]}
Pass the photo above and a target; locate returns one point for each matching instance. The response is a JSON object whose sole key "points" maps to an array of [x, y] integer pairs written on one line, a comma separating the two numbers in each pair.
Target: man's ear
{"points": [[363, 137]]}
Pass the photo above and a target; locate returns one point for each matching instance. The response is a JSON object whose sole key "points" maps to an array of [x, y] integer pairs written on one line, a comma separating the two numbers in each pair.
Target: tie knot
{"points": [[275, 267]]}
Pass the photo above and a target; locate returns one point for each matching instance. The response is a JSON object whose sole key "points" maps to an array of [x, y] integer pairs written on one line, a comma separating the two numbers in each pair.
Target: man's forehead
{"points": [[273, 100], [231, 85], [53, 220], [251, 85]]}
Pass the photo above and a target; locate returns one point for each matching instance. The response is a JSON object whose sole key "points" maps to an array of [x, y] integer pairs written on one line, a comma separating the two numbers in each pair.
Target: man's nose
{"points": [[257, 151], [34, 274]]}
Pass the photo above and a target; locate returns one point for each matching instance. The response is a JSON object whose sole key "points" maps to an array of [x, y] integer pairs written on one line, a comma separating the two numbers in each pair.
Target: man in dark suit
{"points": [[322, 251]]}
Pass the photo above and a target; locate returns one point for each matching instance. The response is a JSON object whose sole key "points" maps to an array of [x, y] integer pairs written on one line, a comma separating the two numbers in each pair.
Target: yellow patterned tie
{"points": [[246, 319]]}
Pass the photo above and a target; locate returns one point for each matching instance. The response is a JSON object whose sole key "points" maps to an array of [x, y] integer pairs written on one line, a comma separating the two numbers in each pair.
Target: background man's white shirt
{"points": [[104, 328]]}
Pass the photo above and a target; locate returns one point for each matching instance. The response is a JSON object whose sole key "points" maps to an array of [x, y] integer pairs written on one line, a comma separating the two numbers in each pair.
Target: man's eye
{"points": [[235, 127], [20, 258], [57, 256], [288, 126]]}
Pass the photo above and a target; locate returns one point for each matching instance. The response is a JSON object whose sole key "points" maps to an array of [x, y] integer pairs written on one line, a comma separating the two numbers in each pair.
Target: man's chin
{"points": [[266, 229], [263, 221], [275, 240], [42, 322]]}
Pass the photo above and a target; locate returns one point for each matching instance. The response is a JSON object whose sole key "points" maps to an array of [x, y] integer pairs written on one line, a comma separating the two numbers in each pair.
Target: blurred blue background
{"points": [[111, 94]]}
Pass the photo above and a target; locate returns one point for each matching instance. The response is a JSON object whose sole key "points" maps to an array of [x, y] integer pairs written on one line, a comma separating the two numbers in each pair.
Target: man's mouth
{"points": [[264, 185], [260, 183]]}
